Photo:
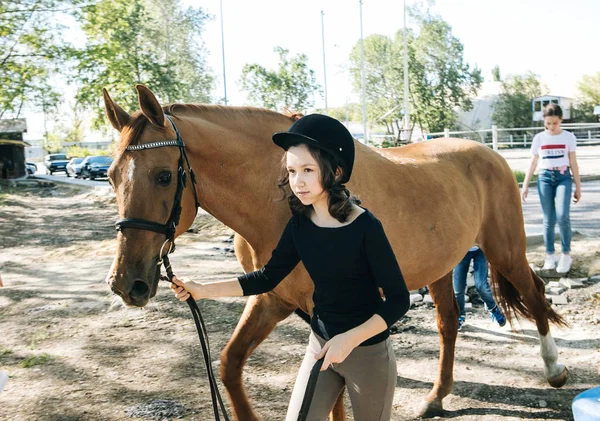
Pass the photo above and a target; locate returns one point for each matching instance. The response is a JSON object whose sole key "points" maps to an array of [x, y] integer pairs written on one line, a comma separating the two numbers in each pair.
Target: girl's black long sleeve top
{"points": [[347, 265]]}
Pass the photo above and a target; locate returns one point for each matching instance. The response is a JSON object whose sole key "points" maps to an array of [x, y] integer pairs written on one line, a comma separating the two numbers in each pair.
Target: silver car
{"points": [[74, 167]]}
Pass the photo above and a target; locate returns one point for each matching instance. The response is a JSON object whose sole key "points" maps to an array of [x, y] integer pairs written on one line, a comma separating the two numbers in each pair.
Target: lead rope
{"points": [[203, 336], [204, 343]]}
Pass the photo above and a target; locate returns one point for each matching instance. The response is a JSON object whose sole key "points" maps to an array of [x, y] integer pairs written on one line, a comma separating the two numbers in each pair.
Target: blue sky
{"points": [[557, 40]]}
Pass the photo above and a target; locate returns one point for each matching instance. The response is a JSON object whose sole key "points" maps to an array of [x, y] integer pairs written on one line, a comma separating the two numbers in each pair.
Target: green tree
{"points": [[588, 97], [496, 73], [349, 112], [30, 50], [512, 108], [443, 81], [384, 74], [52, 142], [71, 128], [439, 78], [141, 41], [290, 87], [176, 32]]}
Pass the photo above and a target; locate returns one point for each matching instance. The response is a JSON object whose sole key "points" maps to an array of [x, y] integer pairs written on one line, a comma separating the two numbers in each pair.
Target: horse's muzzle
{"points": [[138, 294]]}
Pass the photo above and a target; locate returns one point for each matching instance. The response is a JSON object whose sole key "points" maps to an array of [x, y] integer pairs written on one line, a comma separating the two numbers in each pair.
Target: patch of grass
{"points": [[5, 351], [38, 337], [520, 176], [35, 360]]}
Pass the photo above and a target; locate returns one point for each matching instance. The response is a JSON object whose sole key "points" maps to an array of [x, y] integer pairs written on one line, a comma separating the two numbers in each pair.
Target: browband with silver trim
{"points": [[155, 145]]}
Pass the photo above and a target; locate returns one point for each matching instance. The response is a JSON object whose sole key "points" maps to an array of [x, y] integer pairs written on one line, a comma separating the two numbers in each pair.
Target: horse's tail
{"points": [[511, 301]]}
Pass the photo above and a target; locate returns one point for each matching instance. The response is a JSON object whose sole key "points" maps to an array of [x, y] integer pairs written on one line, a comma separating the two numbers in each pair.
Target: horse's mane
{"points": [[214, 113]]}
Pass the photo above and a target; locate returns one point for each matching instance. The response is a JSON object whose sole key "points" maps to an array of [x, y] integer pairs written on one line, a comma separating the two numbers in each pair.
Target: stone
{"points": [[557, 290], [559, 299], [549, 274], [467, 298], [414, 291], [427, 299], [572, 283], [594, 279], [415, 298], [553, 284], [543, 404], [468, 306]]}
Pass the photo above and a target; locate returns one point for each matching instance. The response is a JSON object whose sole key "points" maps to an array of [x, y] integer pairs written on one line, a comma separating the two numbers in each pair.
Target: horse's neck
{"points": [[237, 168]]}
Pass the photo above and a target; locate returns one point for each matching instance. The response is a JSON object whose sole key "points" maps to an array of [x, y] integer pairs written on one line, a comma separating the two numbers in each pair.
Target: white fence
{"points": [[586, 133]]}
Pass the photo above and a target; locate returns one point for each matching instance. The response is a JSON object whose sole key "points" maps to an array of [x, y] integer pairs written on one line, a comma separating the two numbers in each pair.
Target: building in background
{"points": [[480, 116], [538, 104], [12, 148]]}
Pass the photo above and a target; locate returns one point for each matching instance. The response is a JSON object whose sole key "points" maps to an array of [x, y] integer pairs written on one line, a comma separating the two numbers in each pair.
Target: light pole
{"points": [[406, 103], [324, 65], [223, 52], [362, 78]]}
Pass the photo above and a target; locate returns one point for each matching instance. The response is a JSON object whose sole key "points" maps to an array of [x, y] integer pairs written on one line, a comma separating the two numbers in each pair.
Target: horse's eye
{"points": [[164, 178]]}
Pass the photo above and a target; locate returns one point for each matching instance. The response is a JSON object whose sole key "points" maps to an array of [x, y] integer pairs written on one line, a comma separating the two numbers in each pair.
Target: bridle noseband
{"points": [[168, 229]]}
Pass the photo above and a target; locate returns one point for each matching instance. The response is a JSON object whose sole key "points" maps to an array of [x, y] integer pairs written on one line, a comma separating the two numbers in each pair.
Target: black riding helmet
{"points": [[325, 133]]}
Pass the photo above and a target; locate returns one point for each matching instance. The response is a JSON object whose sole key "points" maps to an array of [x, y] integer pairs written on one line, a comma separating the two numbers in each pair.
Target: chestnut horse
{"points": [[435, 200]]}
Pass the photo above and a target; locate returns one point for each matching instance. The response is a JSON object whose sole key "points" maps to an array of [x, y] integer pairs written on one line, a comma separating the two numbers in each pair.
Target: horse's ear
{"points": [[150, 106], [118, 116]]}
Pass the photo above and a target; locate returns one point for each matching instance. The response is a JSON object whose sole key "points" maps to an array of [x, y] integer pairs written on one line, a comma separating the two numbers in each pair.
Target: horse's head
{"points": [[145, 182]]}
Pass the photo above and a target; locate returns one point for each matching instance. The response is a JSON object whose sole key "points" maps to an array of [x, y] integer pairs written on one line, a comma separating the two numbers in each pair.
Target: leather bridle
{"points": [[168, 229]]}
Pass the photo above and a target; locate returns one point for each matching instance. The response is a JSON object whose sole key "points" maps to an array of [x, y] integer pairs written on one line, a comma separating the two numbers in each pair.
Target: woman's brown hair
{"points": [[551, 110], [340, 200]]}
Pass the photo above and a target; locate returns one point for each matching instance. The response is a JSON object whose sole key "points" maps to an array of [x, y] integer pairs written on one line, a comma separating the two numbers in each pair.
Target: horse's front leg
{"points": [[447, 322], [261, 314]]}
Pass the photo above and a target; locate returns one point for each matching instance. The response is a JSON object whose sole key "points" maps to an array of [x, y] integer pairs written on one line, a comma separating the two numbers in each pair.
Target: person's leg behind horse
{"points": [[547, 193], [370, 373], [480, 273], [329, 386], [459, 282], [563, 205]]}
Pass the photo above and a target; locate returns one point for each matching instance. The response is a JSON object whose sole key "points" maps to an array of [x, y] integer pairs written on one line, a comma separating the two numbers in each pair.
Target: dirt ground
{"points": [[74, 352]]}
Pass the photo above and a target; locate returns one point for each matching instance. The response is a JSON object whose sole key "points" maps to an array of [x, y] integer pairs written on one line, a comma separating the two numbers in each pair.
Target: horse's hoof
{"points": [[560, 380], [430, 410]]}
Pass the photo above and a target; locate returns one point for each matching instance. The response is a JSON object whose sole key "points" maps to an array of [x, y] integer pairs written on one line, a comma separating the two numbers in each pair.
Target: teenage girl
{"points": [[554, 149]]}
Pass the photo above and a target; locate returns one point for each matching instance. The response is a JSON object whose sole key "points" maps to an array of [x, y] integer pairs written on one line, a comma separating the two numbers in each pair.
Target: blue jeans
{"points": [[555, 189], [459, 280]]}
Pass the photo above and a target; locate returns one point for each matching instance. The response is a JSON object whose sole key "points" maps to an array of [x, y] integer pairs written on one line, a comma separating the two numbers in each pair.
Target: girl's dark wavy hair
{"points": [[340, 200]]}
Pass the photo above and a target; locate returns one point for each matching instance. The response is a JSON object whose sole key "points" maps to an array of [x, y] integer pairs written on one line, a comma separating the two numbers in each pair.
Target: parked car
{"points": [[31, 168], [95, 166], [56, 162], [74, 167]]}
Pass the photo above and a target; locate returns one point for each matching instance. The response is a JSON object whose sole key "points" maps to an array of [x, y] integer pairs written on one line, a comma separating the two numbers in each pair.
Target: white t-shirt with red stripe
{"points": [[553, 150]]}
